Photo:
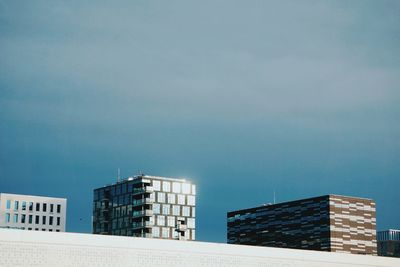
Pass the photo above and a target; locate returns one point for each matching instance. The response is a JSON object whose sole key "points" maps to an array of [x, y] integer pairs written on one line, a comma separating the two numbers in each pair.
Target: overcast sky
{"points": [[242, 97]]}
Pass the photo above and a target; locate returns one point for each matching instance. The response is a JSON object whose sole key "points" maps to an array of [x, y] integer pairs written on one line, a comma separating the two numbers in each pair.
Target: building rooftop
{"points": [[19, 195], [292, 202], [143, 176]]}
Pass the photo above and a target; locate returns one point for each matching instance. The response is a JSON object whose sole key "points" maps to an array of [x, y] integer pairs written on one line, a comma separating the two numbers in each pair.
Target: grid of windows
{"points": [[152, 204], [23, 214]]}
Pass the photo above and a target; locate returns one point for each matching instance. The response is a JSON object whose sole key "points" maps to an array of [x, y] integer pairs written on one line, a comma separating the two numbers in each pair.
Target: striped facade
{"points": [[327, 223]]}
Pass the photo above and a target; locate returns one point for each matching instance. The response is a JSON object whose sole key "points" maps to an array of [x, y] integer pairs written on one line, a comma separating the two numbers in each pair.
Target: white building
{"points": [[35, 213], [30, 248]]}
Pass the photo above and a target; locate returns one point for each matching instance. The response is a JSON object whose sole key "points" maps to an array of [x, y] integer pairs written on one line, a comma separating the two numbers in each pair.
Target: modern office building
{"points": [[45, 249], [146, 206], [327, 223], [35, 213], [389, 243]]}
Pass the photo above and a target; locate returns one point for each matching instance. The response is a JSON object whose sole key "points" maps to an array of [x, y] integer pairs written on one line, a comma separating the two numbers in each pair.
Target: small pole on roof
{"points": [[274, 197]]}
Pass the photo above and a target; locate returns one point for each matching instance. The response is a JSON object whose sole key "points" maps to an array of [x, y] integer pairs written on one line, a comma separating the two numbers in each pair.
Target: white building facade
{"points": [[30, 248], [34, 213]]}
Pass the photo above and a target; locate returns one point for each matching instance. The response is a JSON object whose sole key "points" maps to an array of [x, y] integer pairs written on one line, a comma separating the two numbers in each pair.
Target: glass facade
{"points": [[145, 206]]}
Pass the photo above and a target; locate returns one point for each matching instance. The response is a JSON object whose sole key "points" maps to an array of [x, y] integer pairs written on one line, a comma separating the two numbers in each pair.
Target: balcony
{"points": [[147, 235], [140, 202], [140, 225], [142, 213], [142, 190]]}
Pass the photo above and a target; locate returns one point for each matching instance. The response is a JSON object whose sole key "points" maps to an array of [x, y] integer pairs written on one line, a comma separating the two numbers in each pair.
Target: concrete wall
{"points": [[29, 248]]}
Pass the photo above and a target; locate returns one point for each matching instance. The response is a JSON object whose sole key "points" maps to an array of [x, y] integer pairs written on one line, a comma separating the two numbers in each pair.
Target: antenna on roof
{"points": [[274, 197], [119, 175]]}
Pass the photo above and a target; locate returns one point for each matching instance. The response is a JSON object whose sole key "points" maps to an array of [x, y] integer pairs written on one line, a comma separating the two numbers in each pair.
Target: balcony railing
{"points": [[140, 202], [148, 235], [142, 213], [141, 225], [142, 190]]}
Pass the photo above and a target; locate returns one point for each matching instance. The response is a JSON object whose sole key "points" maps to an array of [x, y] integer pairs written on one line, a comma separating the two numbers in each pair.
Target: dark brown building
{"points": [[327, 223]]}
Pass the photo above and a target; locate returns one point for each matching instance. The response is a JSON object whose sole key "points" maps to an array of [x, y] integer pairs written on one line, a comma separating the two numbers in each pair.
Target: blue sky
{"points": [[243, 97]]}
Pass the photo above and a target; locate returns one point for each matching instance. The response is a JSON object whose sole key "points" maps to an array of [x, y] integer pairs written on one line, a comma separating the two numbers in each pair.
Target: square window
{"points": [[44, 207], [171, 198], [8, 205], [166, 186], [51, 207], [23, 205], [160, 220], [191, 223], [165, 209], [7, 217], [156, 208], [181, 199], [37, 219], [193, 189], [175, 235], [186, 211], [15, 218], [165, 232], [30, 206], [156, 231], [171, 221], [186, 188], [161, 197], [43, 220], [156, 185], [193, 234], [176, 210], [23, 218], [58, 208], [51, 220], [37, 206], [191, 200], [58, 221], [30, 219], [176, 187], [16, 204]]}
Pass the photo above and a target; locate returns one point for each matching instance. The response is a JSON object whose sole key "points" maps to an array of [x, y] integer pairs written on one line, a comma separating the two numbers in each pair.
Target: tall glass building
{"points": [[146, 206]]}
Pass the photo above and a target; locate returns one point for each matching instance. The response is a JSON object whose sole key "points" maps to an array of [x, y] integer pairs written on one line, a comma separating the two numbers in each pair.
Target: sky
{"points": [[244, 98]]}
